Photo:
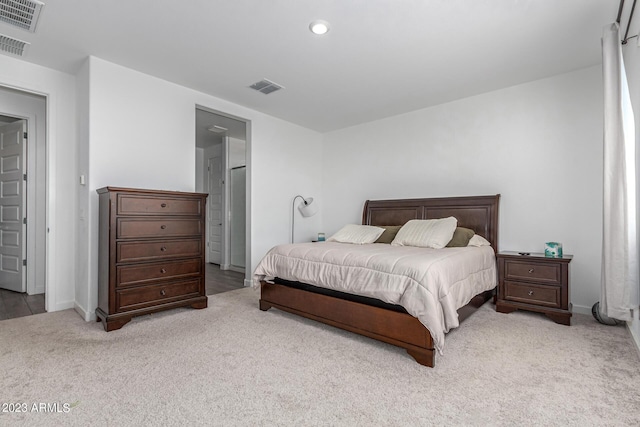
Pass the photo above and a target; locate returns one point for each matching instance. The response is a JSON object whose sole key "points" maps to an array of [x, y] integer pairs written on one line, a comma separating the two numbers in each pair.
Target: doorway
{"points": [[221, 172], [22, 203]]}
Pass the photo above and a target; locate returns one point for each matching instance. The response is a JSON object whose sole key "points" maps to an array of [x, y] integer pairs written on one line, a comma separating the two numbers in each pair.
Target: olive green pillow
{"points": [[388, 234], [461, 237]]}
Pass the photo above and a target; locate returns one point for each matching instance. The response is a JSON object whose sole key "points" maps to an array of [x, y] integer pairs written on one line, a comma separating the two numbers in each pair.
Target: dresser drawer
{"points": [[144, 296], [131, 228], [533, 271], [129, 275], [157, 249], [549, 296], [140, 205]]}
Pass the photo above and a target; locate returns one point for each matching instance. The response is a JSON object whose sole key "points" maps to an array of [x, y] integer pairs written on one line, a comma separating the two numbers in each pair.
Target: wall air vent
{"points": [[13, 46], [21, 13], [266, 86]]}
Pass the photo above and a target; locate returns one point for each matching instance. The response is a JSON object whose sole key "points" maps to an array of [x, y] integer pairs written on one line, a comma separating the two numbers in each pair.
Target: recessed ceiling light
{"points": [[319, 27], [217, 129]]}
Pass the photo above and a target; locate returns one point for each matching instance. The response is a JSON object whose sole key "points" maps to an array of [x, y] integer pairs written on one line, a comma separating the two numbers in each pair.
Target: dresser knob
{"points": [[163, 270], [163, 226], [531, 270], [164, 205], [163, 249], [163, 292], [530, 293]]}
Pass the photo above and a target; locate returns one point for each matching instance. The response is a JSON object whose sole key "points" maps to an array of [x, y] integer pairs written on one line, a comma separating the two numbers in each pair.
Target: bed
{"points": [[373, 318]]}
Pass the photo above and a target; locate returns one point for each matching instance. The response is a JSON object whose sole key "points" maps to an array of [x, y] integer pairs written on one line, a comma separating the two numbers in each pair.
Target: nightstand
{"points": [[534, 283]]}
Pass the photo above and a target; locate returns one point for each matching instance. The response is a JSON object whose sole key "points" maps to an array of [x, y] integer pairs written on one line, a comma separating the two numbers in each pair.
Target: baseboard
{"points": [[634, 327], [635, 336], [248, 283], [579, 309], [36, 291], [60, 306], [88, 316]]}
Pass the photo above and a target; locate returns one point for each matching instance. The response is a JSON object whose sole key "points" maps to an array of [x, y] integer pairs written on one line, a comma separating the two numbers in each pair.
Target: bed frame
{"points": [[479, 213]]}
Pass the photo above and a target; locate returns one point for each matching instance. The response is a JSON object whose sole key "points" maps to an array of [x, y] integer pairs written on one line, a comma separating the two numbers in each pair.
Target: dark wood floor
{"points": [[15, 304], [218, 281]]}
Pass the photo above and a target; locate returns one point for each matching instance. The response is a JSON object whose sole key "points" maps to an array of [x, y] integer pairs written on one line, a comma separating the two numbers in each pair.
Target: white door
{"points": [[215, 206], [12, 206]]}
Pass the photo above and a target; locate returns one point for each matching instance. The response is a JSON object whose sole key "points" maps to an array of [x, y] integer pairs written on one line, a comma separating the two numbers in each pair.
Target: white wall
{"points": [[538, 144], [59, 89], [142, 134], [631, 53]]}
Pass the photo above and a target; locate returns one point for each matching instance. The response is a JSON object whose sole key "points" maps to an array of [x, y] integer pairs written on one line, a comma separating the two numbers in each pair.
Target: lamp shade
{"points": [[307, 208]]}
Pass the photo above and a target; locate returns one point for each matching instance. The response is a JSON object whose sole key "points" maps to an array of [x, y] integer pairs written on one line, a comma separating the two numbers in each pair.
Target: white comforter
{"points": [[431, 284]]}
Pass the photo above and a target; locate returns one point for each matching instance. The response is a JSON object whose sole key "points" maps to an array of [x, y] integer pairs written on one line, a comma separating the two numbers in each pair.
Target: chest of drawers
{"points": [[535, 283], [151, 253]]}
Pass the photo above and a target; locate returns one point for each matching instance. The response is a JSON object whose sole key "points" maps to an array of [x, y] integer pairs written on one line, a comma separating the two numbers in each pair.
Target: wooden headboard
{"points": [[479, 213]]}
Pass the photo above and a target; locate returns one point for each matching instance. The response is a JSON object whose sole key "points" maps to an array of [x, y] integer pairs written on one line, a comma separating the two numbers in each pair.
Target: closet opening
{"points": [[221, 172], [22, 203]]}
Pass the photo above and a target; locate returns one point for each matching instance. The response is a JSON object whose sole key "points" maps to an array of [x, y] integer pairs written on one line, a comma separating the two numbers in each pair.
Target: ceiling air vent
{"points": [[266, 86], [13, 46], [21, 13]]}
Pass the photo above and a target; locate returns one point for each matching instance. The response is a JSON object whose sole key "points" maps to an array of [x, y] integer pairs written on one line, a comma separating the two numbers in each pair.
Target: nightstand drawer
{"points": [[533, 271], [548, 296]]}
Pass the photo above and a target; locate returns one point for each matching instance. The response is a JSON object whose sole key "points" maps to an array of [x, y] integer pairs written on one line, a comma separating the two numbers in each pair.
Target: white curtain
{"points": [[619, 292]]}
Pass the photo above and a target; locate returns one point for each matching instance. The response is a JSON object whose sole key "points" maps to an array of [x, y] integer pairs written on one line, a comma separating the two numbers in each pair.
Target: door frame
{"points": [[36, 188], [248, 206]]}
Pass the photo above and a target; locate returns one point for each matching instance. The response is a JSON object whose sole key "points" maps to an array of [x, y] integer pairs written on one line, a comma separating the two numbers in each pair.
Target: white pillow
{"points": [[478, 241], [426, 233], [357, 234]]}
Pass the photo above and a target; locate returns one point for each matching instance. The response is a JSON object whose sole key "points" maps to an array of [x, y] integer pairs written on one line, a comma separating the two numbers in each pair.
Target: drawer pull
{"points": [[163, 226], [163, 249], [530, 293], [163, 270], [164, 205], [163, 292], [531, 270]]}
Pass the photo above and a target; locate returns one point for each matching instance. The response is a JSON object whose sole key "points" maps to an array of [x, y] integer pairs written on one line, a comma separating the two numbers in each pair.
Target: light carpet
{"points": [[232, 364]]}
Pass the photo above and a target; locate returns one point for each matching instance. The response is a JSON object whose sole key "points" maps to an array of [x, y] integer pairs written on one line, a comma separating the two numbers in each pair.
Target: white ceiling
{"points": [[380, 58]]}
